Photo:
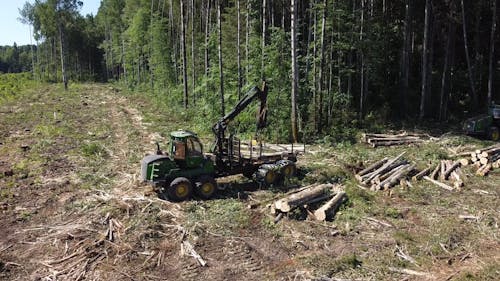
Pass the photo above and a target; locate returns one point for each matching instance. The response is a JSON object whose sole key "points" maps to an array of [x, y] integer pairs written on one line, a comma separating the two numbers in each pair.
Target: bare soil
{"points": [[73, 208]]}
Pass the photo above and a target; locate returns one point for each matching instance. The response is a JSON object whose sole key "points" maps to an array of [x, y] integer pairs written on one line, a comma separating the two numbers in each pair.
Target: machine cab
{"points": [[186, 149]]}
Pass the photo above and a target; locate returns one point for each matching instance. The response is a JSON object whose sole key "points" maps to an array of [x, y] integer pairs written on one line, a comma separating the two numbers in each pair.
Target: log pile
{"points": [[376, 140], [447, 174], [386, 173], [304, 197], [486, 159]]}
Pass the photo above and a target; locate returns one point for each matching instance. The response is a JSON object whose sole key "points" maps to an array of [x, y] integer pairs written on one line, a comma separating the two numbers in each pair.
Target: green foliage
{"points": [[93, 150]]}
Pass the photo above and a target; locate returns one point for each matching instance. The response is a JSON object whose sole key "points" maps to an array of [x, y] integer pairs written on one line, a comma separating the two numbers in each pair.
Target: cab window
{"points": [[194, 147]]}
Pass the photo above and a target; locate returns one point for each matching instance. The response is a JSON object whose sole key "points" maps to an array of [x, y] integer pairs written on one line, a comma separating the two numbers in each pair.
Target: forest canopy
{"points": [[330, 65]]}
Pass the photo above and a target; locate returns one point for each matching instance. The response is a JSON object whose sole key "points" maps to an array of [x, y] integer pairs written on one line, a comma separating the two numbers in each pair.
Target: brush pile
{"points": [[404, 138], [332, 195], [386, 173]]}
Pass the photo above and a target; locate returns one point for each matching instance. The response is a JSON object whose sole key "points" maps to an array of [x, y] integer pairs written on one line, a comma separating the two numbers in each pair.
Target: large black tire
{"points": [[494, 133], [267, 177], [206, 186], [287, 168], [180, 189]]}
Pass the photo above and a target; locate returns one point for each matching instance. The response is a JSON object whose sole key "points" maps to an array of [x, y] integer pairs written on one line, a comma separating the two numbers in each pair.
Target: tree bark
{"points": [[207, 38], [492, 52], [263, 43], [247, 41], [331, 206], [425, 58], [193, 54], [362, 61], [405, 60], [221, 73], [63, 62], [467, 57], [322, 67], [295, 72], [238, 48], [183, 50], [446, 75]]}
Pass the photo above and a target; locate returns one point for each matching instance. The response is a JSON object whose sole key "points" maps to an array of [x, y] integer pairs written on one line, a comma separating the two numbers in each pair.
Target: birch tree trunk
{"points": [[467, 57], [221, 73], [446, 75], [362, 61], [263, 46], [492, 52], [207, 37], [193, 54], [247, 38], [63, 64], [295, 72], [322, 67], [425, 58], [183, 50], [238, 48], [405, 60]]}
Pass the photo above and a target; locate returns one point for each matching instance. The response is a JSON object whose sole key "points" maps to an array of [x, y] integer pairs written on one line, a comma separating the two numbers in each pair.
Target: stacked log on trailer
{"points": [[404, 138], [386, 173], [331, 195]]}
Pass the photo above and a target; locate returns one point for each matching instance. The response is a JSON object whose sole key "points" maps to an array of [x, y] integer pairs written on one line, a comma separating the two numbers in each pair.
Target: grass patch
{"points": [[224, 217]]}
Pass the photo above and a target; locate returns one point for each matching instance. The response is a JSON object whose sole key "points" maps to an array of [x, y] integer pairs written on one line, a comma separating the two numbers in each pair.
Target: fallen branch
{"points": [[440, 184], [187, 248]]}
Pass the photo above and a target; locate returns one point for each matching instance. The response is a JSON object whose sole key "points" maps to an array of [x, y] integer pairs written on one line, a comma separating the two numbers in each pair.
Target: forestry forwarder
{"points": [[186, 169], [486, 125]]}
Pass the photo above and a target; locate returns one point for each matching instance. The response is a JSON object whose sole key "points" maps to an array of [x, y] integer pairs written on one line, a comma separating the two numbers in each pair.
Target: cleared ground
{"points": [[72, 207]]}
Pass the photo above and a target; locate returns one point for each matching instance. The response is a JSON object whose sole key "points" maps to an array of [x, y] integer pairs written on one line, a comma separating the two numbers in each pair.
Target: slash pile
{"points": [[376, 140], [386, 173]]}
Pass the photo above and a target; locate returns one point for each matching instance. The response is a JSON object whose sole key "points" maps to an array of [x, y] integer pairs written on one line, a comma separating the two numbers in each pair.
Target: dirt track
{"points": [[73, 209]]}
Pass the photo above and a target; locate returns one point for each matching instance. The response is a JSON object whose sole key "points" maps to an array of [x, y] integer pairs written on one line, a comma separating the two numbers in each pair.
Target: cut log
{"points": [[463, 161], [396, 177], [421, 174], [483, 160], [372, 167], [390, 143], [450, 169], [443, 169], [440, 184], [331, 206], [393, 169], [384, 167], [484, 170], [300, 198], [435, 172]]}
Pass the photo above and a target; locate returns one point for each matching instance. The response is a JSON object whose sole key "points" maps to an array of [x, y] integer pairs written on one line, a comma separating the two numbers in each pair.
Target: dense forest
{"points": [[330, 65]]}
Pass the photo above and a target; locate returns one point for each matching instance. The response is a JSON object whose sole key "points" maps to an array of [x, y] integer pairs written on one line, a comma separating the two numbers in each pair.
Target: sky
{"points": [[11, 30]]}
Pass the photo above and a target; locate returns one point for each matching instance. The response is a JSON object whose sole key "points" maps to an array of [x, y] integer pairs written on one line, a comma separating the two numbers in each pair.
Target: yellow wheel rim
{"points": [[288, 171], [495, 136], [207, 188], [270, 177], [182, 190]]}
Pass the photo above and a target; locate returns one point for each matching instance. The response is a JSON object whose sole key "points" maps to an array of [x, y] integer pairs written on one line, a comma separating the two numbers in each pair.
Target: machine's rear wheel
{"points": [[206, 186], [287, 168], [494, 133], [180, 189], [266, 176]]}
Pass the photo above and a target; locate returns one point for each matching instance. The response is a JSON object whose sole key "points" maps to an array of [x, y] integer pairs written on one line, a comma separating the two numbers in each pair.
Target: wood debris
{"points": [[404, 138]]}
